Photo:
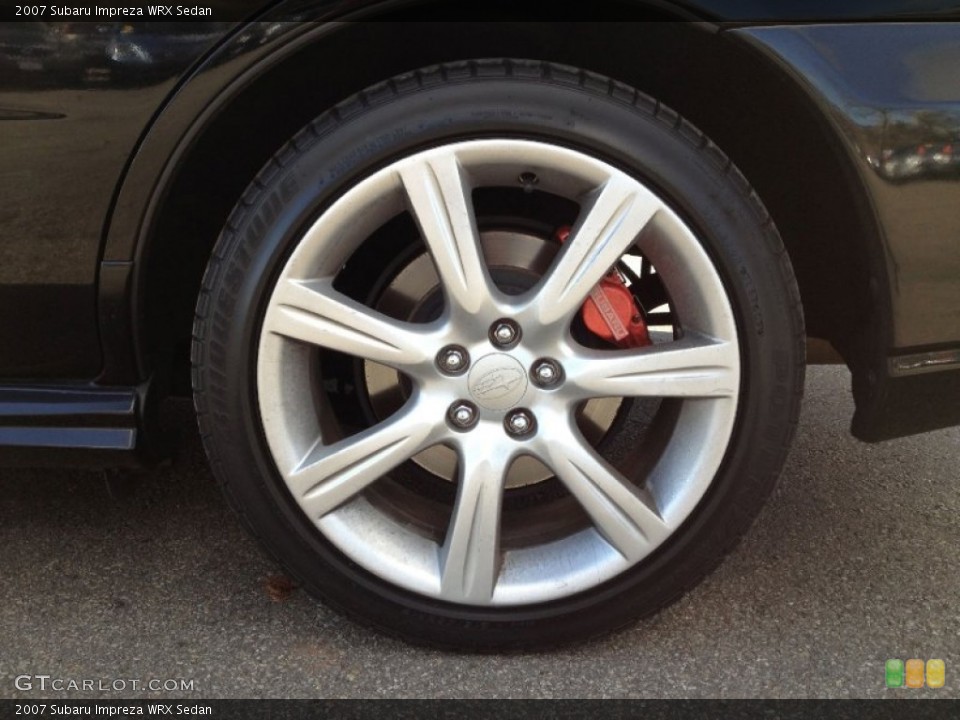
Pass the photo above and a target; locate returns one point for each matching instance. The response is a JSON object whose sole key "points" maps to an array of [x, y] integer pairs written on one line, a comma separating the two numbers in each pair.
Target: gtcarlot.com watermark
{"points": [[51, 683]]}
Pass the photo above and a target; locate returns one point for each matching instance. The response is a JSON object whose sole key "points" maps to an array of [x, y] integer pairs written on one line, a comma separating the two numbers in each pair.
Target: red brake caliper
{"points": [[610, 312]]}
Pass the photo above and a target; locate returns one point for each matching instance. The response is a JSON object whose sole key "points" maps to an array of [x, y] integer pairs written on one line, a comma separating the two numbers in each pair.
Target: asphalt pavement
{"points": [[853, 561]]}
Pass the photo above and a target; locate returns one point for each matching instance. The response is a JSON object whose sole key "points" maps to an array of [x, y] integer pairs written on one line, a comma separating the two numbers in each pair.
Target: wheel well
{"points": [[758, 116]]}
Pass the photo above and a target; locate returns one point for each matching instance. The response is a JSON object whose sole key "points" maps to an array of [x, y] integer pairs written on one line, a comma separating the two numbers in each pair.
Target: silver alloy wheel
{"points": [[327, 474], [404, 296]]}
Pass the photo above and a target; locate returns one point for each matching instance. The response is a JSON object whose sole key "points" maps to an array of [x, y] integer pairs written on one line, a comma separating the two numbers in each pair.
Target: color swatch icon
{"points": [[936, 673], [914, 673], [898, 673], [894, 673]]}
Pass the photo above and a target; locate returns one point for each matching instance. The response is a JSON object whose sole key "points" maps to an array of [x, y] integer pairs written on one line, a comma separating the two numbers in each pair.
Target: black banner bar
{"points": [[784, 11], [488, 709]]}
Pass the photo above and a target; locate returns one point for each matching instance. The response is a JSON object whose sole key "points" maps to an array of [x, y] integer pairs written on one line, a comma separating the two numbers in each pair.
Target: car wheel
{"points": [[414, 393]]}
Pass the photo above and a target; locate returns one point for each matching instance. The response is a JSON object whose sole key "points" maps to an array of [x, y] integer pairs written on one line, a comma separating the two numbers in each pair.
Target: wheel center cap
{"points": [[497, 382]]}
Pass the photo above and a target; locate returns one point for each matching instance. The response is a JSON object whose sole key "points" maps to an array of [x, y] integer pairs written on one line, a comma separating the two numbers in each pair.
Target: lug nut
{"points": [[546, 373], [453, 360], [463, 415], [520, 423], [504, 333]]}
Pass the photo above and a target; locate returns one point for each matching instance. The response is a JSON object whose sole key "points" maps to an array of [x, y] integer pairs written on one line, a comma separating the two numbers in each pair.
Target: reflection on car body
{"points": [[64, 53]]}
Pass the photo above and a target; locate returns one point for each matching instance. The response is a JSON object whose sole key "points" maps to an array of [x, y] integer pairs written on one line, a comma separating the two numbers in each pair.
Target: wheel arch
{"points": [[712, 78]]}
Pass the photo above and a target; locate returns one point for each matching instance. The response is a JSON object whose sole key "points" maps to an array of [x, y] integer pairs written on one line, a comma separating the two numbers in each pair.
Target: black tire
{"points": [[499, 99]]}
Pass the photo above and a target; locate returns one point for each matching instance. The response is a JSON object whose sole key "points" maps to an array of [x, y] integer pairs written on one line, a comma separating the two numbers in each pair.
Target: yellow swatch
{"points": [[936, 673]]}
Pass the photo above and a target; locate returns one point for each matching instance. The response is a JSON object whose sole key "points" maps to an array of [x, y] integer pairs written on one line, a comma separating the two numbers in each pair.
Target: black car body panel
{"points": [[99, 142], [70, 130], [892, 93]]}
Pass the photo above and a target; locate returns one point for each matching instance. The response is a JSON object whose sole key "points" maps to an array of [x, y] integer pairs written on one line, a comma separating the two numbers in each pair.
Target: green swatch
{"points": [[894, 673]]}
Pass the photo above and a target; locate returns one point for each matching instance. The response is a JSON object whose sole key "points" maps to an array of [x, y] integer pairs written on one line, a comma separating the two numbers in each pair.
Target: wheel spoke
{"points": [[439, 198], [619, 511], [470, 556], [606, 230], [695, 366], [330, 475], [312, 311]]}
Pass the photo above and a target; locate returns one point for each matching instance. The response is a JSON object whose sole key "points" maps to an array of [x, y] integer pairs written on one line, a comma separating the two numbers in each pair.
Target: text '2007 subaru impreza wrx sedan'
{"points": [[495, 331]]}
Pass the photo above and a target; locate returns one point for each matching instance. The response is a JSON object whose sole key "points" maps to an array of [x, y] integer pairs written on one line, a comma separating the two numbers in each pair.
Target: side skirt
{"points": [[81, 424]]}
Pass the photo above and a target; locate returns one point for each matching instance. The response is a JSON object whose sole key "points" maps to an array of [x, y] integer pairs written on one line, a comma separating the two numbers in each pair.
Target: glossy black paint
{"points": [[96, 122], [74, 102], [892, 94]]}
